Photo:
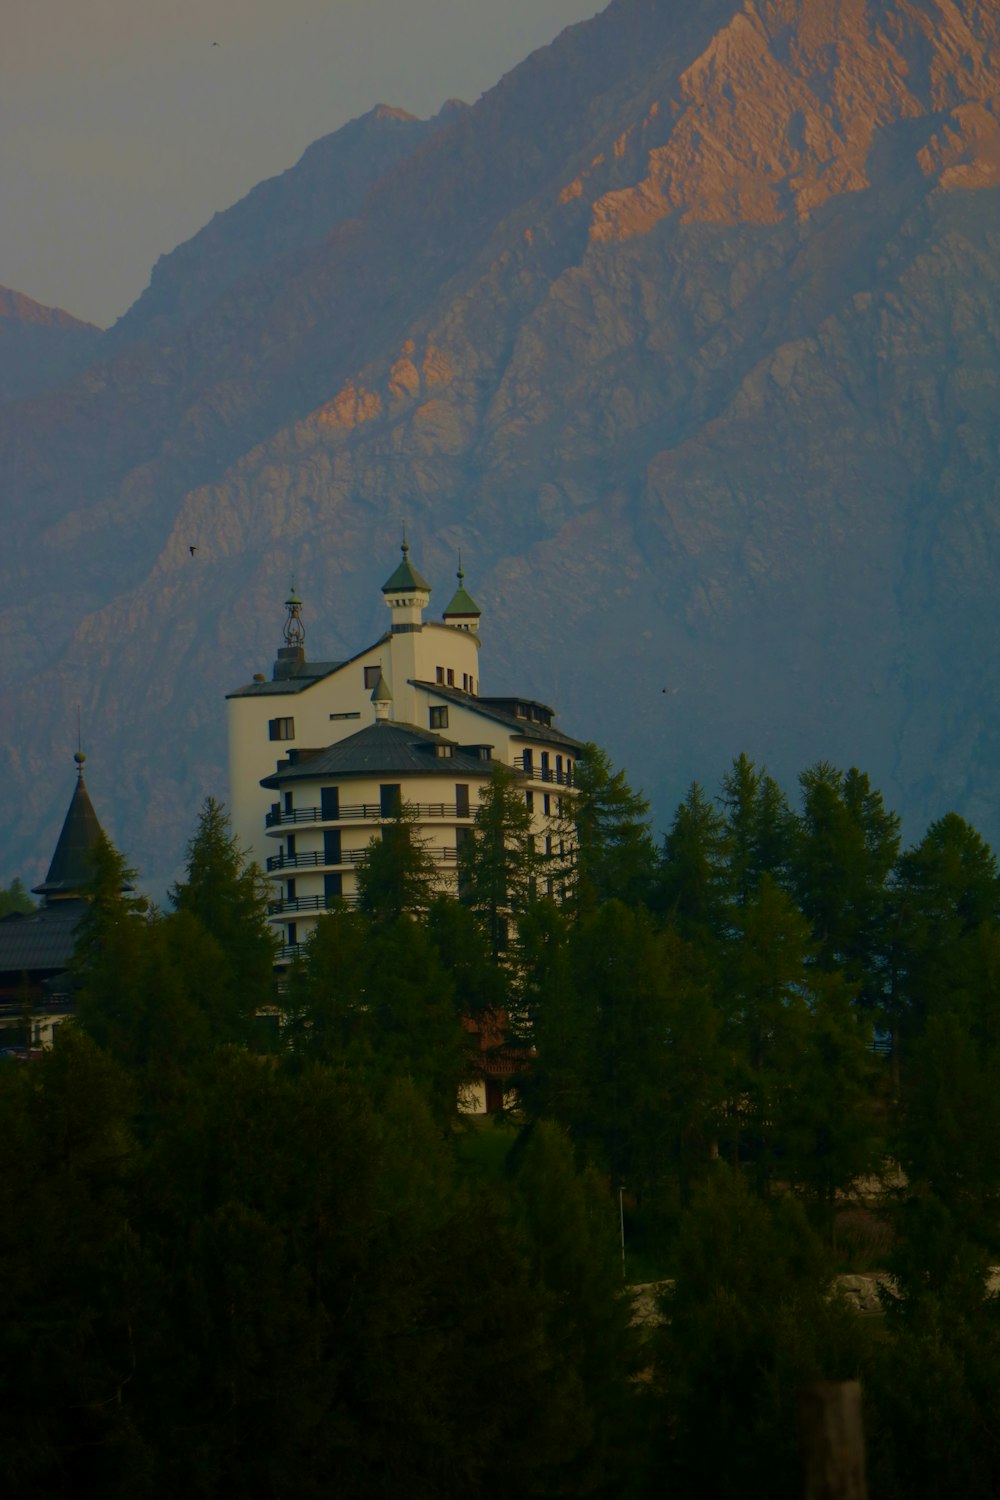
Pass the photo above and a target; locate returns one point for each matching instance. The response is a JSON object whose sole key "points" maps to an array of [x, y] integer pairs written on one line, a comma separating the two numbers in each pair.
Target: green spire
{"points": [[406, 578], [462, 603]]}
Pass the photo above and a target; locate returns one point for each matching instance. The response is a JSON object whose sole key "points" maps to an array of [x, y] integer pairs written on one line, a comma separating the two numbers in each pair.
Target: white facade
{"points": [[346, 760]]}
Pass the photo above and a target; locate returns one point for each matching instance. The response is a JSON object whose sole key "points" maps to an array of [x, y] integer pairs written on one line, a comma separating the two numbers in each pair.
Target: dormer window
{"points": [[443, 752]]}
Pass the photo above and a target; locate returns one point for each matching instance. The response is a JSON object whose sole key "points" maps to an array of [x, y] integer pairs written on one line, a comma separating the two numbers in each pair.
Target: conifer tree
{"points": [[227, 895], [615, 855], [844, 853], [498, 866], [692, 874], [397, 874]]}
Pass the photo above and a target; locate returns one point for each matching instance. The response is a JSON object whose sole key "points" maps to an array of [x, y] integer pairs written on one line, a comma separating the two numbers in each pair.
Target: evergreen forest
{"points": [[250, 1246]]}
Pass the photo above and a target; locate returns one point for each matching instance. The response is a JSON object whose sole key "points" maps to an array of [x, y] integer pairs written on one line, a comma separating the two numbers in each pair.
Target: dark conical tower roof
{"points": [[70, 869]]}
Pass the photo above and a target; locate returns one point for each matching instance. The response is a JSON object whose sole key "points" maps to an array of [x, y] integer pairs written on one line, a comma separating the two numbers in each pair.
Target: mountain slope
{"points": [[686, 333], [39, 346]]}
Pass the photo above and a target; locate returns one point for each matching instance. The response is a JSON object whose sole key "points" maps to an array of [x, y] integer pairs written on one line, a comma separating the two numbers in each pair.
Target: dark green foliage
{"points": [[759, 830], [227, 896], [615, 856], [931, 1377], [498, 868], [396, 876], [226, 1274], [15, 898], [691, 886], [376, 998], [844, 853], [749, 1321]]}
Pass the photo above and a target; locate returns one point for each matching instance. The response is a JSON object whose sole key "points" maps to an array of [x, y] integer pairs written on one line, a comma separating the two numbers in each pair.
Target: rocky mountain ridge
{"points": [[40, 346], [686, 333]]}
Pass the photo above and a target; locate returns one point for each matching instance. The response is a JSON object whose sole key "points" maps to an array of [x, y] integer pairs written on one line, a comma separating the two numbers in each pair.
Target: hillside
{"points": [[686, 333], [40, 346]]}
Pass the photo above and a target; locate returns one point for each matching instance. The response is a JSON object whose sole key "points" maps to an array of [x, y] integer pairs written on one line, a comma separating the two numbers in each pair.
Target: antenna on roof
{"points": [[80, 755]]}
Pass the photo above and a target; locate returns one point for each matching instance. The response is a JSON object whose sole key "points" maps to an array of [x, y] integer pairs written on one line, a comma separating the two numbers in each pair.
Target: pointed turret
{"points": [[381, 697], [70, 870], [463, 613], [407, 595]]}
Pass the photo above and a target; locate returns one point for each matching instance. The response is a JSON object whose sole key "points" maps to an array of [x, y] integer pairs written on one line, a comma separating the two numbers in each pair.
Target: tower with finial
{"points": [[407, 595], [292, 655], [462, 613]]}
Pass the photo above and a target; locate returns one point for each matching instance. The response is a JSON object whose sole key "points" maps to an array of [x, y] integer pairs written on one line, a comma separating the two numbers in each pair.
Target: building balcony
{"points": [[289, 906], [540, 773], [318, 860], [367, 812]]}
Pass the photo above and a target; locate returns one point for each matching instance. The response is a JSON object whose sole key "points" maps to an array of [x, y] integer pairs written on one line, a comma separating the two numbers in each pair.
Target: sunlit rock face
{"points": [[686, 334]]}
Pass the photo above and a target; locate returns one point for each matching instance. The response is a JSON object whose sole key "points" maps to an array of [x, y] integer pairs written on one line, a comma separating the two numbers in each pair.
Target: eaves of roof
{"points": [[308, 675], [523, 728], [383, 748]]}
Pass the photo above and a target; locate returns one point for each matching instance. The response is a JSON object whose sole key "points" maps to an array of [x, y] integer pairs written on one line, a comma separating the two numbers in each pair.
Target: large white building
{"points": [[403, 721]]}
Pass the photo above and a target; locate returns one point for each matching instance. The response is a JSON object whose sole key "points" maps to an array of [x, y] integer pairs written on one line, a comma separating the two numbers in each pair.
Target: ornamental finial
{"points": [[295, 631]]}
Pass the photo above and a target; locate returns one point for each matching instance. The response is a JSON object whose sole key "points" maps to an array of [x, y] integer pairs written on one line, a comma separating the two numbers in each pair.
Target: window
{"points": [[546, 773], [293, 934], [372, 675], [354, 715], [462, 801], [451, 677], [329, 798], [526, 761], [547, 805], [281, 729], [443, 752], [390, 801], [331, 847], [290, 846], [559, 773], [288, 803], [333, 887], [529, 801], [439, 717], [439, 674], [290, 893], [466, 680]]}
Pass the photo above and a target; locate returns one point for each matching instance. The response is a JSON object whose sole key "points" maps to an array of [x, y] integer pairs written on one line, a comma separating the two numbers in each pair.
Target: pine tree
{"points": [[227, 896], [615, 856], [397, 874], [498, 867], [844, 854]]}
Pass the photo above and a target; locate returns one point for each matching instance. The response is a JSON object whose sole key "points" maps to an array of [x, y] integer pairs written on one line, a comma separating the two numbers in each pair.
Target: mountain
{"points": [[686, 333], [40, 346]]}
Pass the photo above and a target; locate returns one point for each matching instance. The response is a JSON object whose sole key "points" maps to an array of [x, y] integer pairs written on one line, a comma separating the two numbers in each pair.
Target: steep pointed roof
{"points": [[405, 577], [70, 869], [462, 602]]}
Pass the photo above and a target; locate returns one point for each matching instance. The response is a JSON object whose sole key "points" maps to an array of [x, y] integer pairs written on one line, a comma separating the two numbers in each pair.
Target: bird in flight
{"points": [[192, 550]]}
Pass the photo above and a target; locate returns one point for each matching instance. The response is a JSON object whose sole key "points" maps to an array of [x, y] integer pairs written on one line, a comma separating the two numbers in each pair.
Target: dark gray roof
{"points": [[70, 869], [307, 674], [384, 747], [492, 708], [39, 941]]}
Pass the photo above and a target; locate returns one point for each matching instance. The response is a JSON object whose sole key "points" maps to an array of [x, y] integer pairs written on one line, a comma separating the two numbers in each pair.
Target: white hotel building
{"points": [[403, 721]]}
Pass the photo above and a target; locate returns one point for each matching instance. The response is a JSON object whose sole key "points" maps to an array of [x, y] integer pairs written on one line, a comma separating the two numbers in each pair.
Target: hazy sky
{"points": [[123, 129]]}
